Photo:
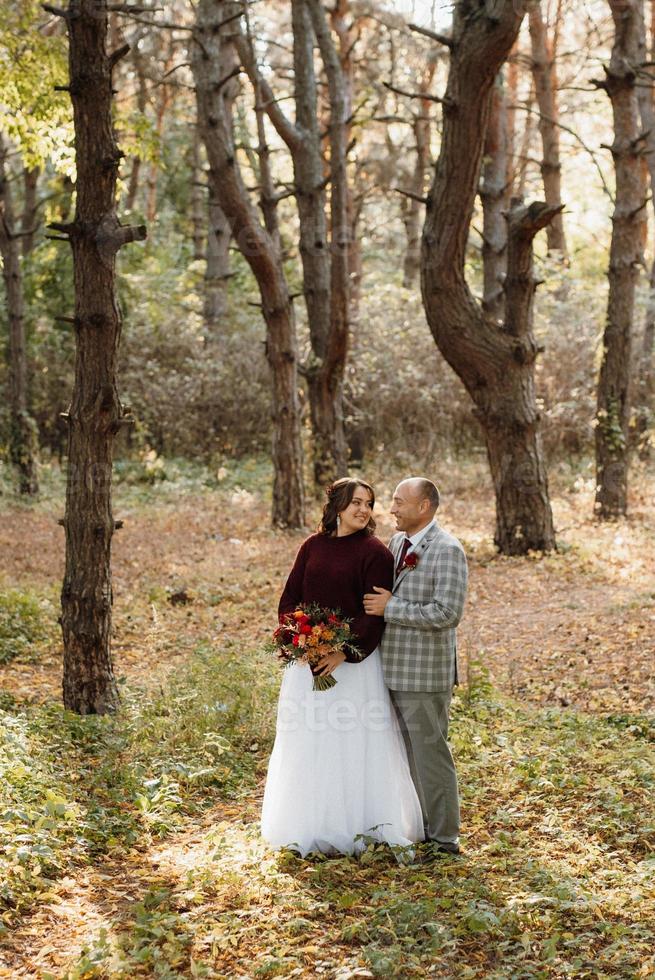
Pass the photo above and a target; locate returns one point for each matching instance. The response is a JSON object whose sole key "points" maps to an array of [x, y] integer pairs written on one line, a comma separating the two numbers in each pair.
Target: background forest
{"points": [[249, 247]]}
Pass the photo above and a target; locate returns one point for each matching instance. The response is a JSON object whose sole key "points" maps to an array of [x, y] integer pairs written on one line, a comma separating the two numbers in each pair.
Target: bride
{"points": [[338, 771]]}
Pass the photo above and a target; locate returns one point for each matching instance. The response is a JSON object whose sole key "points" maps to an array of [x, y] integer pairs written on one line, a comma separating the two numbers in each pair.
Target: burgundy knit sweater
{"points": [[335, 573]]}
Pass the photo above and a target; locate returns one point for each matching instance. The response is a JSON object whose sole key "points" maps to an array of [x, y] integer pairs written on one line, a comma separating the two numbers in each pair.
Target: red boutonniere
{"points": [[411, 561]]}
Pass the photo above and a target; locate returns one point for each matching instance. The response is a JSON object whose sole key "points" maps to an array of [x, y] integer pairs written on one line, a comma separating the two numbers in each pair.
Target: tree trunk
{"points": [[495, 197], [163, 103], [494, 361], [23, 434], [526, 146], [545, 78], [324, 262], [613, 396], [644, 393], [214, 24], [30, 216], [96, 413], [198, 195], [511, 100], [340, 252], [208, 214], [344, 23], [217, 268], [412, 207], [141, 103], [644, 388]]}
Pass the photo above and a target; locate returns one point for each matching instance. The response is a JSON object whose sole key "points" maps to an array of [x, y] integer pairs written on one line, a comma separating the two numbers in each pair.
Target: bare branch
{"points": [[433, 35], [417, 95], [414, 197], [119, 53]]}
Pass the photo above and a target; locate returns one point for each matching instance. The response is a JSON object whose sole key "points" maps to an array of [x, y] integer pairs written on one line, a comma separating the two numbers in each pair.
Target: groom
{"points": [[419, 650]]}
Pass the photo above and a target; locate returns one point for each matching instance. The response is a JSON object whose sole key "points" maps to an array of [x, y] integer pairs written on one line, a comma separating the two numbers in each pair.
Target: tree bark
{"points": [[210, 40], [340, 251], [325, 291], [494, 361], [198, 199], [614, 383], [544, 71], [411, 206], [344, 23], [23, 441], [141, 102], [217, 268], [511, 100], [95, 414], [29, 217], [495, 197], [644, 388]]}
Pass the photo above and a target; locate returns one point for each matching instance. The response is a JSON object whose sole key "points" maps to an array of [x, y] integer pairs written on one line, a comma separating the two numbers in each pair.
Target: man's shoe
{"points": [[432, 850]]}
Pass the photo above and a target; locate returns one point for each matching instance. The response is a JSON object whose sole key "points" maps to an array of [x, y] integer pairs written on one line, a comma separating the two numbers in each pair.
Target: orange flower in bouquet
{"points": [[309, 633]]}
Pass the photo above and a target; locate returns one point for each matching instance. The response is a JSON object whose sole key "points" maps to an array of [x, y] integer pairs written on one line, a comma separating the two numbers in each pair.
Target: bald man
{"points": [[419, 651]]}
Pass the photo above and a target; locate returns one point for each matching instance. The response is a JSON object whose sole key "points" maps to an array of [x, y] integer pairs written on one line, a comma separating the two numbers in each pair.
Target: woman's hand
{"points": [[329, 662]]}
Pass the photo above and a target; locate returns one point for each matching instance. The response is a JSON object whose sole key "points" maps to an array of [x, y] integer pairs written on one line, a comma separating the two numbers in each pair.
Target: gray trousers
{"points": [[423, 720]]}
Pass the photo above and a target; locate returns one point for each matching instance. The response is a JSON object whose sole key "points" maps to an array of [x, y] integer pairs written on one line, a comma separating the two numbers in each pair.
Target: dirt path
{"points": [[574, 628]]}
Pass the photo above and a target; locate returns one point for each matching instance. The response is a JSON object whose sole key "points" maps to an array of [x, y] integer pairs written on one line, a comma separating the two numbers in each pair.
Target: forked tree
{"points": [[494, 359], [95, 415], [214, 65]]}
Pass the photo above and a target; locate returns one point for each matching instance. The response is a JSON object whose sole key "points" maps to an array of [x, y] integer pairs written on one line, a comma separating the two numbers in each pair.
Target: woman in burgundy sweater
{"points": [[338, 772]]}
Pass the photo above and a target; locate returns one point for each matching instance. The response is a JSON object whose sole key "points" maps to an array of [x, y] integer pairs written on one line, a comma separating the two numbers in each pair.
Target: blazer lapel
{"points": [[422, 546]]}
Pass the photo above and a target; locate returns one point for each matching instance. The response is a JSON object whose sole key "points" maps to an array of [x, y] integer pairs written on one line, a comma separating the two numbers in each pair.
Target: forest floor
{"points": [[143, 857]]}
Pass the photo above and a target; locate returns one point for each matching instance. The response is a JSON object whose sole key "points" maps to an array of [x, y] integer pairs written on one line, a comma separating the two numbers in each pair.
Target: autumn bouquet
{"points": [[308, 634]]}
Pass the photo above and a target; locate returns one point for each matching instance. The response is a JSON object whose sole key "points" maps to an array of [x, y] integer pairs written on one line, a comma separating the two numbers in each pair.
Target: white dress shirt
{"points": [[416, 538]]}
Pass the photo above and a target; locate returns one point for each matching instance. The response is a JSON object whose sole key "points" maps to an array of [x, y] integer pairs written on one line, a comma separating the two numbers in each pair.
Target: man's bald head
{"points": [[415, 501], [420, 489]]}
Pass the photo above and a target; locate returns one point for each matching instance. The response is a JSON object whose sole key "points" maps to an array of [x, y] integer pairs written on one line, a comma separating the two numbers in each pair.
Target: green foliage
{"points": [[35, 117], [72, 788], [555, 881], [26, 622]]}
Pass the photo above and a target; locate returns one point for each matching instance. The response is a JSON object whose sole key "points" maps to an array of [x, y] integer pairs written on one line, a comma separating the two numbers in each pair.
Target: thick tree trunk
{"points": [[96, 413], [215, 21], [545, 78], [613, 397], [494, 361], [23, 434], [340, 253], [495, 197]]}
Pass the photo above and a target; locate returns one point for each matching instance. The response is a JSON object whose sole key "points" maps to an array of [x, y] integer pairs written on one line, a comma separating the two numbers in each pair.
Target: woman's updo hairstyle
{"points": [[339, 494]]}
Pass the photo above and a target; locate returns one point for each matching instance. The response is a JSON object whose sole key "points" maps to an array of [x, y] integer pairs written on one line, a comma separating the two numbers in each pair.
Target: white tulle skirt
{"points": [[338, 771]]}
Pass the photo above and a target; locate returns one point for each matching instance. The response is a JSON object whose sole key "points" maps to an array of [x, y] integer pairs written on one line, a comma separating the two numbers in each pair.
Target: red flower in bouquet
{"points": [[308, 634]]}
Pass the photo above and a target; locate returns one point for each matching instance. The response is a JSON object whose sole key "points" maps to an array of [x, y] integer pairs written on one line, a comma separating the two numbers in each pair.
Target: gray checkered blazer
{"points": [[419, 645]]}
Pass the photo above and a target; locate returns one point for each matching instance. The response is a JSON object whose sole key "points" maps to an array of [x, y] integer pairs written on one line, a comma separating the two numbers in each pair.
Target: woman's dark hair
{"points": [[339, 495]]}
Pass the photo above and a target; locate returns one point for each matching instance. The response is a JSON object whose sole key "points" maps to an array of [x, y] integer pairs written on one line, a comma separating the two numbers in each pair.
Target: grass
{"points": [[26, 623], [132, 843], [557, 878], [74, 788]]}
